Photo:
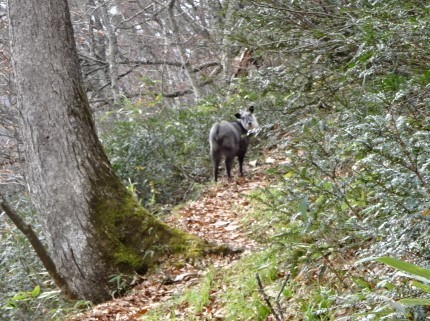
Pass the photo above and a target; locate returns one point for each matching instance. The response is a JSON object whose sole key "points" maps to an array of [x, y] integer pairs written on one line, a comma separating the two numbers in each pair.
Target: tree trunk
{"points": [[230, 7], [182, 52], [93, 227], [112, 52], [97, 73]]}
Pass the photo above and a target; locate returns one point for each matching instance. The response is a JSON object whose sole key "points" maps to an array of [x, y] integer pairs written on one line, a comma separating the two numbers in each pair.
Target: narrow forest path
{"points": [[215, 216]]}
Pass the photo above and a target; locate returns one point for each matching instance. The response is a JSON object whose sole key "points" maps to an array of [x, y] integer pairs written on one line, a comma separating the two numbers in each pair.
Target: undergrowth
{"points": [[231, 292], [27, 292], [309, 269], [164, 155], [345, 104]]}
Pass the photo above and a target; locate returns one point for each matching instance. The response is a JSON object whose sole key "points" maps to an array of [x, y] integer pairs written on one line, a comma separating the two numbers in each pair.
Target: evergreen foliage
{"points": [[350, 86], [342, 92], [164, 155]]}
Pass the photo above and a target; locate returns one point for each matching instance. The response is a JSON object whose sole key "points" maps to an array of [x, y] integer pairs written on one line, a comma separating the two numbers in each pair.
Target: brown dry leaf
{"points": [[216, 217]]}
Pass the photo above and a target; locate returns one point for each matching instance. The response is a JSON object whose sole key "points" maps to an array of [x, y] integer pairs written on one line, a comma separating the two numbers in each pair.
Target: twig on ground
{"points": [[278, 297], [267, 299]]}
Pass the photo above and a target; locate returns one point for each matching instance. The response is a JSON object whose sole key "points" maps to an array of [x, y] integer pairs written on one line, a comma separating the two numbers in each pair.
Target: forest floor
{"points": [[215, 216]]}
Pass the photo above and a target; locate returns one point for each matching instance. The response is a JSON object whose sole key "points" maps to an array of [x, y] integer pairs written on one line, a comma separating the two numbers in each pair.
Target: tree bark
{"points": [[112, 53], [227, 57], [92, 225], [96, 68], [181, 51]]}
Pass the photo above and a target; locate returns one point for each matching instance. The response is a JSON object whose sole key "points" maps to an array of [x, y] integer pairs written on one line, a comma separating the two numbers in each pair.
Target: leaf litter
{"points": [[217, 217]]}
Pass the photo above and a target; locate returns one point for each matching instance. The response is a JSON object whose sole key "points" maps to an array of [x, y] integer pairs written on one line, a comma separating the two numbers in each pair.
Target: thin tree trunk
{"points": [[181, 51], [37, 245], [92, 225], [97, 50], [112, 53], [226, 59]]}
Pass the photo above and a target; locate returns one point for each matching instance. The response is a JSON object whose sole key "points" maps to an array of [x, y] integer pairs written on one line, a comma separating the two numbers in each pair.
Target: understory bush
{"points": [[353, 104], [165, 155], [27, 291], [342, 94]]}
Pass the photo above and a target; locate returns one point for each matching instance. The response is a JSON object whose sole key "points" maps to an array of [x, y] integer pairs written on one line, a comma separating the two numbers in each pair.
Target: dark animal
{"points": [[230, 139]]}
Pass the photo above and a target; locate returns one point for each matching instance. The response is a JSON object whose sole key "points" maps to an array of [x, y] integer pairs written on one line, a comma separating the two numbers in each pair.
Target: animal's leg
{"points": [[241, 158], [216, 159], [228, 166]]}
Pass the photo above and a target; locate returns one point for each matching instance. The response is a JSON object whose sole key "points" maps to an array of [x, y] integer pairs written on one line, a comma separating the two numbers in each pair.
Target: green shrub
{"points": [[165, 155], [27, 292]]}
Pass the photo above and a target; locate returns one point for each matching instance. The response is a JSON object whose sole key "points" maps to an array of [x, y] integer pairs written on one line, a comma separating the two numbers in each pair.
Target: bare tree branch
{"points": [[267, 299], [37, 245]]}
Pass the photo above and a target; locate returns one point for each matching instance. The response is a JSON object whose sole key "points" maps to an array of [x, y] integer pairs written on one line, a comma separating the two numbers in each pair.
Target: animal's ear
{"points": [[238, 115], [251, 109]]}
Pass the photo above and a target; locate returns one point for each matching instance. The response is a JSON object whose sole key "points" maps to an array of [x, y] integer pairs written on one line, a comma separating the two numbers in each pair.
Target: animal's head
{"points": [[247, 119]]}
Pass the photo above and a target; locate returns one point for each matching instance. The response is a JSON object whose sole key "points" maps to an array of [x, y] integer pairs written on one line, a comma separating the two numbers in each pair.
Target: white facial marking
{"points": [[248, 121]]}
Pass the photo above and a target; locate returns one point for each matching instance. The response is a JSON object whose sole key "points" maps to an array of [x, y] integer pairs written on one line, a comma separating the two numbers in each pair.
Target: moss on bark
{"points": [[133, 240]]}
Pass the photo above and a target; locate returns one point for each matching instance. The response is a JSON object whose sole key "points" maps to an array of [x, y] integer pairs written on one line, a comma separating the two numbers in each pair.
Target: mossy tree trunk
{"points": [[92, 226]]}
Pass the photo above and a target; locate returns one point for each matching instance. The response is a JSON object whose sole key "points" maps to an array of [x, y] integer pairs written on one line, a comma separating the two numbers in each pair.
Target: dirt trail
{"points": [[217, 217]]}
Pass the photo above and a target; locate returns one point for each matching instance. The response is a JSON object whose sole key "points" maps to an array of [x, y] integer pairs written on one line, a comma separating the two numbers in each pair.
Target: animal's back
{"points": [[223, 137]]}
